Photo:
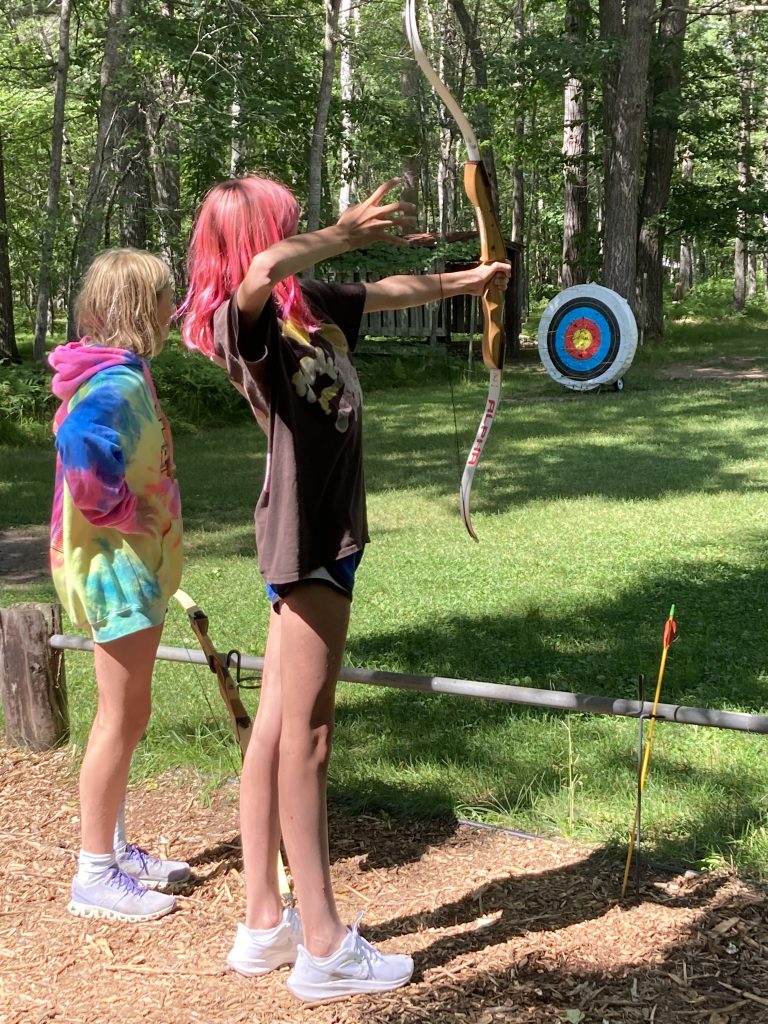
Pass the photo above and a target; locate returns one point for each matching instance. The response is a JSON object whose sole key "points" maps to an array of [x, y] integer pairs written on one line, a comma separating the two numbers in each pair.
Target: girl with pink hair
{"points": [[287, 345]]}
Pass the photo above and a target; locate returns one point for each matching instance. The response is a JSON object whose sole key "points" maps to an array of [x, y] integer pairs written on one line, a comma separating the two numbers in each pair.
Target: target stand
{"points": [[587, 338]]}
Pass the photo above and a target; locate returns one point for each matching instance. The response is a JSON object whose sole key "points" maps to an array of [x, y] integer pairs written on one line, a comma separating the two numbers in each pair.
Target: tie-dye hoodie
{"points": [[116, 532]]}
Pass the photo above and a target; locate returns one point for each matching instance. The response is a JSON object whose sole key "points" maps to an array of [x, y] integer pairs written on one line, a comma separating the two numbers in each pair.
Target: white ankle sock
{"points": [[120, 841], [94, 867]]}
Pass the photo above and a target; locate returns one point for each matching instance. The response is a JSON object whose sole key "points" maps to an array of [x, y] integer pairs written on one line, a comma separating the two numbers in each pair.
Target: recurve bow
{"points": [[492, 248]]}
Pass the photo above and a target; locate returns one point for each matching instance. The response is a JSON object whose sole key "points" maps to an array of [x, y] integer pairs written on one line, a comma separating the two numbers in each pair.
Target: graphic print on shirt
{"points": [[318, 379]]}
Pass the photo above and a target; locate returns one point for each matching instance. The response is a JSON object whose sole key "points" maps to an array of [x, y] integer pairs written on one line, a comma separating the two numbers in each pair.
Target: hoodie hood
{"points": [[77, 361]]}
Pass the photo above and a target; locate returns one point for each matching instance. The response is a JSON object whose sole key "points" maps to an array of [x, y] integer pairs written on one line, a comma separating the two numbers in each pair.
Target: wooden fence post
{"points": [[32, 681]]}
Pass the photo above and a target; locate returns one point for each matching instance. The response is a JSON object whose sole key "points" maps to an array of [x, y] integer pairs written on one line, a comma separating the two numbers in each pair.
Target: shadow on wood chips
{"points": [[501, 928]]}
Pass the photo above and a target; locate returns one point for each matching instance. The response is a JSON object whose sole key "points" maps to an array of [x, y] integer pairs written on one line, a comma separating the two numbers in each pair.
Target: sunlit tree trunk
{"points": [[744, 167], [54, 184], [518, 176], [348, 22], [685, 281], [314, 191], [8, 349]]}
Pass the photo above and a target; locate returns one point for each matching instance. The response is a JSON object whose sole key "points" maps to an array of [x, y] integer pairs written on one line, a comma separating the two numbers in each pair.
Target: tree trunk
{"points": [[660, 162], [132, 166], [314, 192], [752, 272], [741, 248], [482, 116], [54, 184], [162, 129], [685, 281], [518, 177], [32, 681], [92, 220], [624, 136], [8, 350], [348, 19], [574, 269]]}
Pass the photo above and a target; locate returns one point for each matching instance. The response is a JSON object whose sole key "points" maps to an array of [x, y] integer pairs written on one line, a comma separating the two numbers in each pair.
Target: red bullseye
{"points": [[582, 338]]}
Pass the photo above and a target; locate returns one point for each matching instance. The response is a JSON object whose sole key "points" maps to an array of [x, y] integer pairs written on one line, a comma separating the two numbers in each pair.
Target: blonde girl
{"points": [[116, 556]]}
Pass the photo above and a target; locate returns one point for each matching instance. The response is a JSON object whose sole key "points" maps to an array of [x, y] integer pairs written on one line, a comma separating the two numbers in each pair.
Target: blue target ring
{"points": [[602, 336]]}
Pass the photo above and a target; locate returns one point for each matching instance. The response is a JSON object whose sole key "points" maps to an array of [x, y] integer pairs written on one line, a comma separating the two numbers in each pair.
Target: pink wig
{"points": [[238, 219]]}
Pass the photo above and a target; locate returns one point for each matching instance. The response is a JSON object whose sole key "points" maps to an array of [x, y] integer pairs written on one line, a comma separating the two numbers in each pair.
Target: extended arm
{"points": [[403, 291], [359, 226]]}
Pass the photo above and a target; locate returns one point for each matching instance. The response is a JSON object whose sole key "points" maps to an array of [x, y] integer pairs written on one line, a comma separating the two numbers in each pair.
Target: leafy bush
{"points": [[193, 392], [196, 394], [26, 405]]}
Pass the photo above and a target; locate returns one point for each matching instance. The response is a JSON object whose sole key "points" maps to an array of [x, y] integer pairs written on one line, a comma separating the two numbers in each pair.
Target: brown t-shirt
{"points": [[305, 394]]}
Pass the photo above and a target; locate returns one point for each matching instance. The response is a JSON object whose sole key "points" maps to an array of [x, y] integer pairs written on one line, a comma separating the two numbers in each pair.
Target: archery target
{"points": [[587, 337]]}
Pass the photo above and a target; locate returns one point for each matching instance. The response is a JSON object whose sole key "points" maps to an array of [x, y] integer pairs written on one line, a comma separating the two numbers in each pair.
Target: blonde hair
{"points": [[117, 304]]}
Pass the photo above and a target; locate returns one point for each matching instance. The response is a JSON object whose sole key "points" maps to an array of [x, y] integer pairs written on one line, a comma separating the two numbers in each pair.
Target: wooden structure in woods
{"points": [[457, 316], [32, 681]]}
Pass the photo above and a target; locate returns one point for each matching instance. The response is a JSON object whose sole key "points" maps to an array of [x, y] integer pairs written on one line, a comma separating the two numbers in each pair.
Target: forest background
{"points": [[626, 142]]}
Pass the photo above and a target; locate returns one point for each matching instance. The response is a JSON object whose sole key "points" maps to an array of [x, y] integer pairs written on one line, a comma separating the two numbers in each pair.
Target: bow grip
{"points": [[493, 328]]}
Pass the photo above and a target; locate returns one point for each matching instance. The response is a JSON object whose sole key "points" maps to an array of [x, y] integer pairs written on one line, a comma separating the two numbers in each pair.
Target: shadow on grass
{"points": [[616, 446], [719, 660], [673, 439]]}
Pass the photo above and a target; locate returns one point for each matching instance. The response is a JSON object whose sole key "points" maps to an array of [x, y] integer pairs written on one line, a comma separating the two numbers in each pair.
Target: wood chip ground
{"points": [[502, 929]]}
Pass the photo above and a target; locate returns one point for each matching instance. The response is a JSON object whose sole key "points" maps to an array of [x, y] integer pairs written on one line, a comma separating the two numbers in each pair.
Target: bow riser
{"points": [[477, 185]]}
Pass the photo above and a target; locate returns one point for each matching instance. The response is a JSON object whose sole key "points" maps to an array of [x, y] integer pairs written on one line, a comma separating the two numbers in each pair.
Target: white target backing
{"points": [[587, 337]]}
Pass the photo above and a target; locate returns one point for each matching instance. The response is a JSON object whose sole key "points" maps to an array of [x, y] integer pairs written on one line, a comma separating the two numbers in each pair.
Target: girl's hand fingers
{"points": [[382, 190]]}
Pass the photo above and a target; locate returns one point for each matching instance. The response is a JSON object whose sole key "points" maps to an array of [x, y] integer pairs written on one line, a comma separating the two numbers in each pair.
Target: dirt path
{"points": [[502, 928], [24, 555]]}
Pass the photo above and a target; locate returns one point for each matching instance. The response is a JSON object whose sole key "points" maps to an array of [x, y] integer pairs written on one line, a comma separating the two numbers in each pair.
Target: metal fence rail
{"points": [[558, 700]]}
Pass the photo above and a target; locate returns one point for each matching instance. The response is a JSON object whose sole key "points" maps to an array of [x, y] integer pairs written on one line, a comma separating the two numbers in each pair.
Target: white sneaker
{"points": [[258, 951], [355, 967]]}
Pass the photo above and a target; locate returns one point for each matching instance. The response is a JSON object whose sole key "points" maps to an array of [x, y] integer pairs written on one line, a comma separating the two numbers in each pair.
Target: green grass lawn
{"points": [[595, 513]]}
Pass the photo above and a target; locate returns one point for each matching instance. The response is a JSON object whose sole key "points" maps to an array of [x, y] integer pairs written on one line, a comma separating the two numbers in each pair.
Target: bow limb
{"points": [[242, 724], [492, 248], [240, 720], [486, 421]]}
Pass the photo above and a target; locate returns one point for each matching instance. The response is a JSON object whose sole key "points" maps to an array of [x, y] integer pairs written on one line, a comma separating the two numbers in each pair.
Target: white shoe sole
{"points": [[88, 910], [318, 994], [256, 972]]}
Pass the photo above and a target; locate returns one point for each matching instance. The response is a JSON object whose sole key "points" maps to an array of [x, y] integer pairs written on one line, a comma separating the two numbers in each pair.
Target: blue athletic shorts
{"points": [[340, 575]]}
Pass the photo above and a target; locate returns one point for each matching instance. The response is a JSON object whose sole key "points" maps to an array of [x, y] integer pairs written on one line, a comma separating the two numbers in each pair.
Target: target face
{"points": [[587, 337]]}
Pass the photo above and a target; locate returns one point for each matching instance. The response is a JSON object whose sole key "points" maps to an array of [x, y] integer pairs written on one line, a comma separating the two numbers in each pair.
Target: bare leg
{"points": [[287, 763], [124, 680], [313, 633], [259, 813]]}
